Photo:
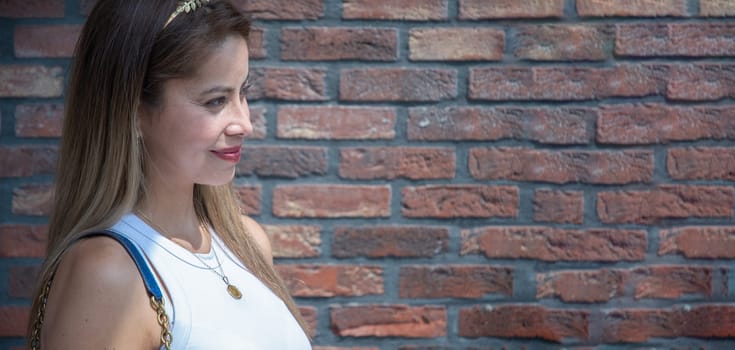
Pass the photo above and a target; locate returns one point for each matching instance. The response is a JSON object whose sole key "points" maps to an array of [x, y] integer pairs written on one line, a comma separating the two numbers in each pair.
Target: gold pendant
{"points": [[234, 292]]}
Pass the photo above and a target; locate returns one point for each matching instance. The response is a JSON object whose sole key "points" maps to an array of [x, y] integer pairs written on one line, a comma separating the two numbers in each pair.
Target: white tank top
{"points": [[202, 313]]}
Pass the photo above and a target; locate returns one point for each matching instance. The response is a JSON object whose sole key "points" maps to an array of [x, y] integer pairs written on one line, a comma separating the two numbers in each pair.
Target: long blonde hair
{"points": [[123, 57]]}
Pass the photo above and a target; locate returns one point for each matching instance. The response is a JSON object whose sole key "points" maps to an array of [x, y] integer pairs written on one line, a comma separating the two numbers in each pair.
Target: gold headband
{"points": [[185, 6]]}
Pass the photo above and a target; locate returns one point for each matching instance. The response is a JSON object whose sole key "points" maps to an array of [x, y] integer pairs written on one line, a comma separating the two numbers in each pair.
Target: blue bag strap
{"points": [[149, 279]]}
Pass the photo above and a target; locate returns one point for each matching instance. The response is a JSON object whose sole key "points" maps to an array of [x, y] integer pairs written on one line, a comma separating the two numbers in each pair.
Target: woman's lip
{"points": [[231, 154]]}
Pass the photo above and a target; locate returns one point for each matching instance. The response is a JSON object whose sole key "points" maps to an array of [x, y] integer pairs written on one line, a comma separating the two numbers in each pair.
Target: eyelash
{"points": [[219, 101]]}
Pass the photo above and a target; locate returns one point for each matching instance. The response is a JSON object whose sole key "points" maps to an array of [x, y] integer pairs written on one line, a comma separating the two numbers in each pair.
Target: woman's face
{"points": [[194, 135]]}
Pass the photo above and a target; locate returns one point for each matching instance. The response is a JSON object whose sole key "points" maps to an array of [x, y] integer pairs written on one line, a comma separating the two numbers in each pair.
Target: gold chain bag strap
{"points": [[151, 285]]}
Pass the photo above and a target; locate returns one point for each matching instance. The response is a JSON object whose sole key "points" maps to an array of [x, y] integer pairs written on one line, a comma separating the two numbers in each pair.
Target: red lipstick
{"points": [[231, 154]]}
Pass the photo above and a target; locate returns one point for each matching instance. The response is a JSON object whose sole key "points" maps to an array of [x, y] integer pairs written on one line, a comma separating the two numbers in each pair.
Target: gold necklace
{"points": [[231, 288]]}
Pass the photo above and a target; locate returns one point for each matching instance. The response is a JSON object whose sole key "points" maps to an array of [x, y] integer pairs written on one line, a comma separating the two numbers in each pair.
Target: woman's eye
{"points": [[217, 102]]}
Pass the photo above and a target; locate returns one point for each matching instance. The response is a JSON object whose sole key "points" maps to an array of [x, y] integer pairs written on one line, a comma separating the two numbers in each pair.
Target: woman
{"points": [[155, 116]]}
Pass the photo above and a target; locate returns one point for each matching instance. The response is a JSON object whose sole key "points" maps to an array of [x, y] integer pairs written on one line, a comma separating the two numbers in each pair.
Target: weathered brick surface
{"points": [[652, 123], [33, 199], [544, 125], [701, 163], [390, 163], [397, 84], [282, 161], [258, 121], [523, 321], [39, 120], [522, 164], [328, 44], [32, 8], [15, 319], [716, 8], [389, 321], [290, 84], [665, 202], [639, 325], [333, 122], [675, 39], [553, 244], [631, 8], [701, 82], [330, 281], [479, 9], [293, 241], [22, 280], [460, 201], [331, 201], [406, 10], [283, 9], [22, 240], [45, 41], [566, 207], [564, 83], [550, 42], [29, 160], [389, 241], [456, 44], [30, 81], [456, 281], [712, 242], [250, 199]]}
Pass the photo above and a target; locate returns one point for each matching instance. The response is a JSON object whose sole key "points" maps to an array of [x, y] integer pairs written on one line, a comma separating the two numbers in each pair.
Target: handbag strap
{"points": [[149, 279]]}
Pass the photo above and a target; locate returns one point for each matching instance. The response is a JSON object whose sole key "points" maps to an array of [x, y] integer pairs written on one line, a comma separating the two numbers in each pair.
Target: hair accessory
{"points": [[185, 6]]}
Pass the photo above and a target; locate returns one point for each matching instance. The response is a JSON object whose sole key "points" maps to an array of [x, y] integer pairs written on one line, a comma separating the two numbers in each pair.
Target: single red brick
{"points": [[15, 319], [479, 9], [552, 42], [554, 244], [33, 199], [701, 82], [591, 286], [336, 122], [291, 84], [292, 241], [701, 163], [675, 39], [46, 40], [22, 280], [256, 44], [249, 197], [405, 10], [652, 123], [32, 8], [332, 280], [309, 314], [544, 125], [30, 81], [283, 9], [258, 120], [389, 241], [456, 44], [413, 163], [712, 242], [454, 281], [339, 43], [523, 321], [664, 202], [631, 8], [455, 201], [27, 160], [525, 164], [39, 120], [331, 201], [716, 8], [564, 83], [23, 241], [397, 84], [282, 161], [564, 207], [671, 281], [639, 325], [389, 321]]}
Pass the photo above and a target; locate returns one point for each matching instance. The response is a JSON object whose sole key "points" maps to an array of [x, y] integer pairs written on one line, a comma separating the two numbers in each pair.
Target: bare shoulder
{"points": [[261, 238], [97, 287]]}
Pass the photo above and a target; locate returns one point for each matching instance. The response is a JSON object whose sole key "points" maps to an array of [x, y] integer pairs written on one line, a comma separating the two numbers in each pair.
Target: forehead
{"points": [[228, 61]]}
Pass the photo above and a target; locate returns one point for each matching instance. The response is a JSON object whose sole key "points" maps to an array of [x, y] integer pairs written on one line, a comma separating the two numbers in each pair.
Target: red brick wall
{"points": [[452, 174]]}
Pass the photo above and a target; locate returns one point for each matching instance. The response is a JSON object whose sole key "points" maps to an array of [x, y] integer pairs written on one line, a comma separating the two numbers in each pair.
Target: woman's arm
{"points": [[98, 301]]}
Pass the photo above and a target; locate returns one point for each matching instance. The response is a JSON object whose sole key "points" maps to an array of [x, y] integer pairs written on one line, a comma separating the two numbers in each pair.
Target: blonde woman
{"points": [[147, 247]]}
